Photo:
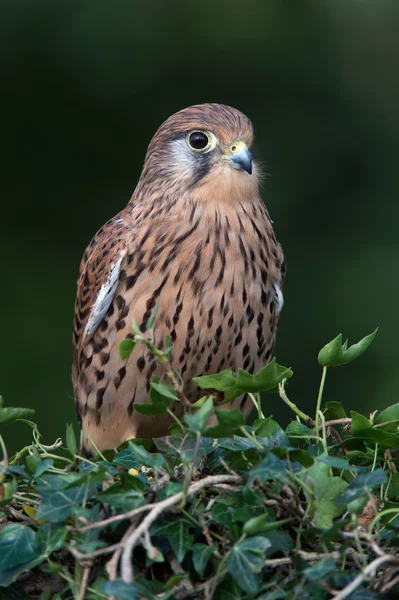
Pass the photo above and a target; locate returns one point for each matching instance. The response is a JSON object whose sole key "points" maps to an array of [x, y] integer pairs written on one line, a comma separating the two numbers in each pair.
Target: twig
{"points": [[158, 509], [370, 570], [277, 562], [114, 519], [87, 555], [83, 582]]}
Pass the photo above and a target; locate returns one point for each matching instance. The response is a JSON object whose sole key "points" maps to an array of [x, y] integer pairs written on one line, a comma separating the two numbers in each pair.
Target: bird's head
{"points": [[201, 150]]}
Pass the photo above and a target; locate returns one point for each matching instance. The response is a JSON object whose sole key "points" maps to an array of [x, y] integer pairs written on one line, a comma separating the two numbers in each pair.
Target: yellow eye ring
{"points": [[201, 141]]}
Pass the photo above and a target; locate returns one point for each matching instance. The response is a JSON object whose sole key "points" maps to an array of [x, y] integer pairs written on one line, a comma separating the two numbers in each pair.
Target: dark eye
{"points": [[198, 140]]}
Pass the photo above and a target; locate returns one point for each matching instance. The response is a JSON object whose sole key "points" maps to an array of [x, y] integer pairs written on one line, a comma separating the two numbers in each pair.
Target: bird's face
{"points": [[208, 144]]}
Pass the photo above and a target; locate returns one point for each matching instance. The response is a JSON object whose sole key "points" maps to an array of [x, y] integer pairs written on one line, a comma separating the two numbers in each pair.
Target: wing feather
{"points": [[98, 281]]}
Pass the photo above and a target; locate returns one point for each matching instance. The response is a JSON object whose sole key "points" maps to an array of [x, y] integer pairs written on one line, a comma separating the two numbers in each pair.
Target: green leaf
{"points": [[297, 428], [335, 353], [362, 428], [199, 420], [120, 589], [334, 410], [151, 320], [262, 524], [320, 570], [229, 421], [225, 381], [71, 440], [162, 397], [265, 380], [42, 467], [269, 468], [326, 490], [144, 457], [174, 446], [52, 537], [201, 556], [363, 484], [33, 461], [12, 414], [336, 462], [18, 545], [126, 459], [246, 558], [389, 416], [265, 427], [126, 347], [177, 532], [57, 502], [125, 495]]}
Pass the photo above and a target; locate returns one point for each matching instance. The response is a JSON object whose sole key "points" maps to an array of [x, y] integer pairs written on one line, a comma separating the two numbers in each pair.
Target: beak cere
{"points": [[241, 158]]}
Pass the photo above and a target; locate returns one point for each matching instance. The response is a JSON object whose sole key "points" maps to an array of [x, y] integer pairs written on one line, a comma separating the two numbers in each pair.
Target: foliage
{"points": [[224, 511]]}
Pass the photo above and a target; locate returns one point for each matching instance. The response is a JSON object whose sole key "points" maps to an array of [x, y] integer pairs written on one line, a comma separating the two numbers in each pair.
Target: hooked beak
{"points": [[240, 157]]}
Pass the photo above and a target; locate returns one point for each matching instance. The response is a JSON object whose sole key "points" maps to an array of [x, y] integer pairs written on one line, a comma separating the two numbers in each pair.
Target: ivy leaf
{"points": [[336, 462], [177, 532], [269, 468], [335, 353], [151, 320], [18, 545], [71, 440], [126, 347], [126, 495], [126, 459], [52, 536], [326, 490], [245, 560], [362, 428], [146, 458], [12, 414], [334, 410], [198, 421], [229, 421], [225, 382], [362, 484], [42, 467], [262, 524], [162, 397], [121, 589], [201, 556], [57, 502], [389, 416], [319, 571], [265, 380]]}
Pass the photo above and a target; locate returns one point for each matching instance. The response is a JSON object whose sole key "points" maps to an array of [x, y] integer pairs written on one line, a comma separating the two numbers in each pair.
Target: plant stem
{"points": [[180, 424], [252, 438], [257, 404], [26, 500], [292, 406], [319, 398]]}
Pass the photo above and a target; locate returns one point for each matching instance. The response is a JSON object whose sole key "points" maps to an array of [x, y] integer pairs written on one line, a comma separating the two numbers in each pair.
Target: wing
{"points": [[98, 279]]}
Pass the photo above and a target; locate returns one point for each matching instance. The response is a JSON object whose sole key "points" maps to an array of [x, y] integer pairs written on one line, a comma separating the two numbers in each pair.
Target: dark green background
{"points": [[84, 86]]}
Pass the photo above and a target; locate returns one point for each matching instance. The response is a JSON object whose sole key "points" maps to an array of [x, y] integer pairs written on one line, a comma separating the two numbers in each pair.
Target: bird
{"points": [[196, 240]]}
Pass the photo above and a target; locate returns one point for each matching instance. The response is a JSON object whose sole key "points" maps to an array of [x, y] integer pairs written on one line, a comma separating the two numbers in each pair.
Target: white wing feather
{"points": [[104, 298]]}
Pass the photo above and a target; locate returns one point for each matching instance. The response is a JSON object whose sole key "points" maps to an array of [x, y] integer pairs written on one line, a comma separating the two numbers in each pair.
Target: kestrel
{"points": [[197, 238]]}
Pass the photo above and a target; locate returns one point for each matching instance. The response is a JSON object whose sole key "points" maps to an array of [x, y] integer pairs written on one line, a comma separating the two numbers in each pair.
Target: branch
{"points": [[370, 570], [157, 510]]}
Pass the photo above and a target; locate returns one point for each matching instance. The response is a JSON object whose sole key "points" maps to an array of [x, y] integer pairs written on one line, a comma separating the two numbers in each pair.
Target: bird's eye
{"points": [[198, 140]]}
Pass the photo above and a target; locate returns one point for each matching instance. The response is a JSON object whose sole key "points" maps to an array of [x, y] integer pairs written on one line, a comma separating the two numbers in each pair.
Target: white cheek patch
{"points": [[183, 159], [278, 295], [104, 298]]}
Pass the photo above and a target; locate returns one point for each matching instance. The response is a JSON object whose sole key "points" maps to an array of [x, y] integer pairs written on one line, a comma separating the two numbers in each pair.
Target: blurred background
{"points": [[85, 86]]}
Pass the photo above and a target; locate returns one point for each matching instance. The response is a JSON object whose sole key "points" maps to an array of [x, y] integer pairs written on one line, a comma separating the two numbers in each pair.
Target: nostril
{"points": [[233, 148]]}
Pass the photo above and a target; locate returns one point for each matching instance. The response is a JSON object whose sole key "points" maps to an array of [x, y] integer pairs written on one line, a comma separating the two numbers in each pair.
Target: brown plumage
{"points": [[197, 236]]}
